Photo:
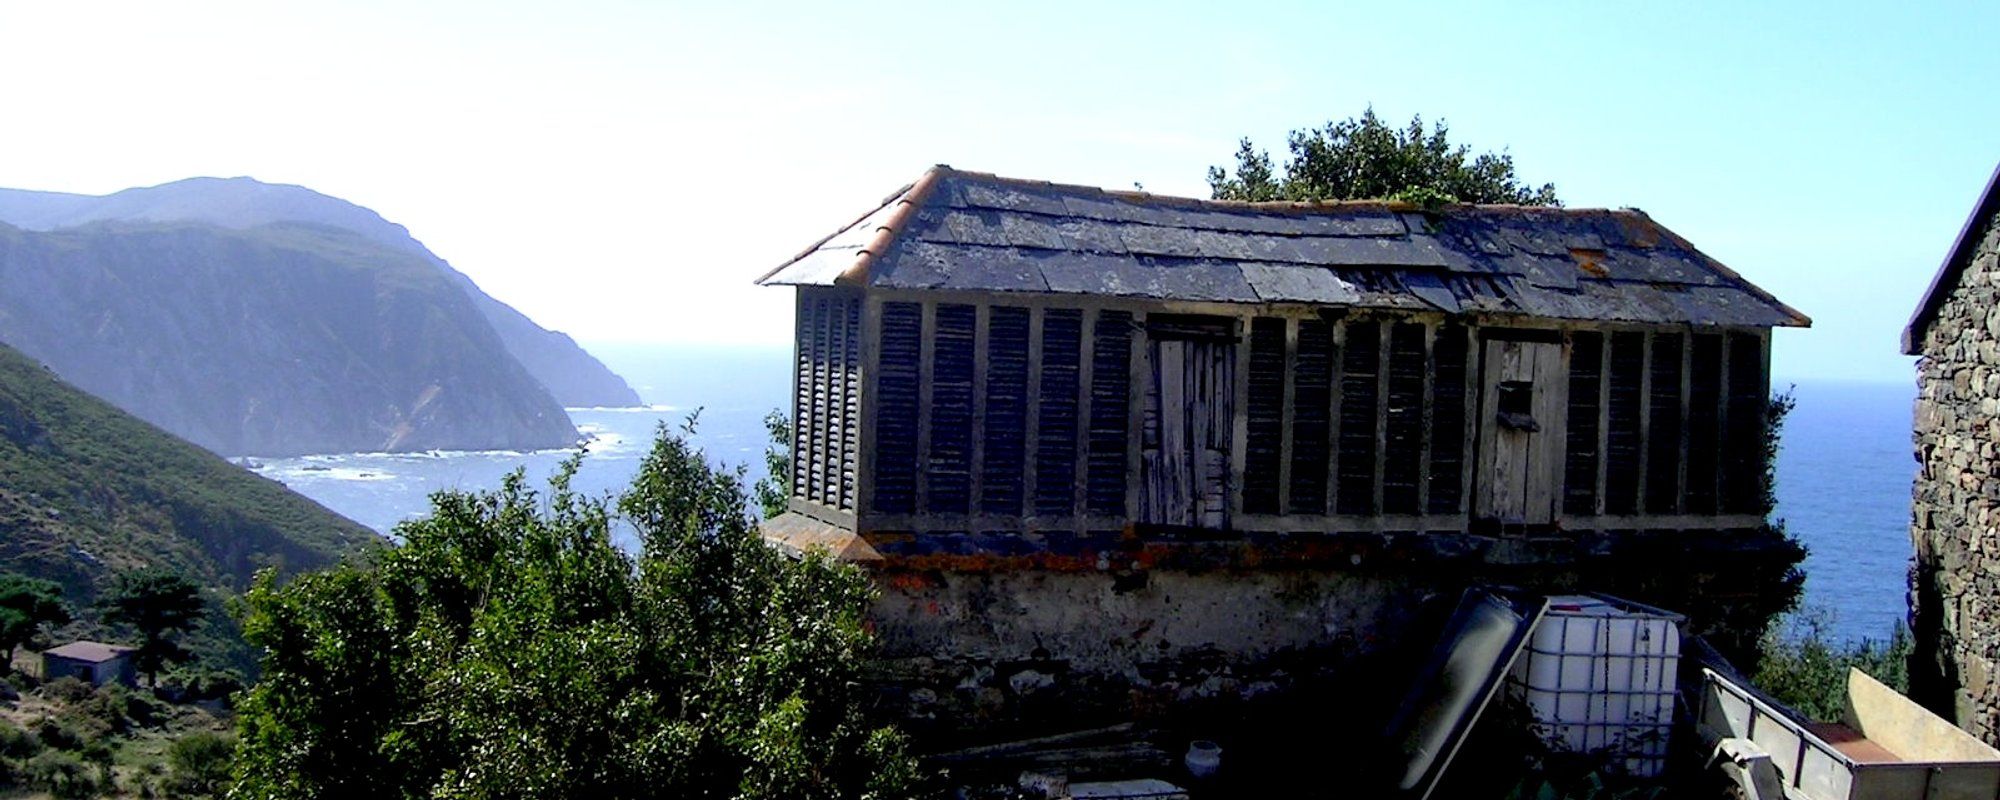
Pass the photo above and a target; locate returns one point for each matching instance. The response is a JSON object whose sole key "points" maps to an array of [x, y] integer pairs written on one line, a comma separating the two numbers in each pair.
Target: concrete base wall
{"points": [[1035, 651]]}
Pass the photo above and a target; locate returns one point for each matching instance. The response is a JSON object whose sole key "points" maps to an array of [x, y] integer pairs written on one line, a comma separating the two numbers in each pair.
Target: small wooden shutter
{"points": [[1264, 429], [1004, 460], [1623, 427], [1663, 426], [1586, 380], [1449, 355], [1360, 398], [1110, 413], [1749, 399], [1055, 452], [1403, 435], [897, 394], [948, 472], [1312, 428]]}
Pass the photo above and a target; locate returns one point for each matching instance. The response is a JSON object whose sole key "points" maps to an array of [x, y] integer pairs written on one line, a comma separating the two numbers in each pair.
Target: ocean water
{"points": [[1844, 469]]}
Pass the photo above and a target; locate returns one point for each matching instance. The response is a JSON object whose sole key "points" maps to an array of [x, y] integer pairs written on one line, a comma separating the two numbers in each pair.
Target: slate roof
{"points": [[956, 230], [90, 652], [1955, 262]]}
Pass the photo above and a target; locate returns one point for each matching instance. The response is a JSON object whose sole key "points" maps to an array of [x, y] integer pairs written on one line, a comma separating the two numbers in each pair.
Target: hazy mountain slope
{"points": [[274, 340], [87, 490], [571, 374]]}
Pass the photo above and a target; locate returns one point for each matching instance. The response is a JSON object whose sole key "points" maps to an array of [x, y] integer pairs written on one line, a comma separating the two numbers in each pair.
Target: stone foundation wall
{"points": [[1032, 651], [1956, 507]]}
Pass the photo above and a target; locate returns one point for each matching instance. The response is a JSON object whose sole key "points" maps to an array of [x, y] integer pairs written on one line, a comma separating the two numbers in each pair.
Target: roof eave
{"points": [[1955, 262]]}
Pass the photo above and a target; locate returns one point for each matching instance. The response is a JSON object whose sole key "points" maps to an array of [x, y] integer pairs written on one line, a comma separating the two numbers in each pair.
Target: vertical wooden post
{"points": [[1426, 400], [1385, 336], [1031, 449], [1287, 416], [1603, 421], [871, 361], [1135, 416], [1338, 357], [981, 337], [1687, 395], [1640, 505], [1239, 375], [926, 354], [1086, 374]]}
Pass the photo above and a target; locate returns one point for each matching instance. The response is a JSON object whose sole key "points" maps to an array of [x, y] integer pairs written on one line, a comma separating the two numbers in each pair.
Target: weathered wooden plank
{"points": [[1086, 372], [982, 369], [1640, 504], [1139, 366], [924, 399], [1234, 410], [1604, 426], [868, 314], [1544, 489], [1427, 419], [1335, 389], [1037, 320], [1287, 414], [1381, 415]]}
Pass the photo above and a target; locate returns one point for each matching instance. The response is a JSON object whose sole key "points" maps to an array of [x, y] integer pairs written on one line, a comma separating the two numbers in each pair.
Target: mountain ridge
{"points": [[284, 338], [571, 374]]}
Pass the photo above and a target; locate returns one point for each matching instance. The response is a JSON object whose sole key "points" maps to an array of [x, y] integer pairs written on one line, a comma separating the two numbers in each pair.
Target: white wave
{"points": [[652, 409]]}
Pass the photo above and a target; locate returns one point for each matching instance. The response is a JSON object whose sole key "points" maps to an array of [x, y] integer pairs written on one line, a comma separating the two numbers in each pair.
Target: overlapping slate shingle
{"points": [[968, 231]]}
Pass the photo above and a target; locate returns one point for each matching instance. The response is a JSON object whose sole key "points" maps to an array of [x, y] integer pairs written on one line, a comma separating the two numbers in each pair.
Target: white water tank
{"points": [[1599, 676]]}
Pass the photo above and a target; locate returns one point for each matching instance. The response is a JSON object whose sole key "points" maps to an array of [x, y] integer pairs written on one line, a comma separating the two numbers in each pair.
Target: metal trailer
{"points": [[1885, 747]]}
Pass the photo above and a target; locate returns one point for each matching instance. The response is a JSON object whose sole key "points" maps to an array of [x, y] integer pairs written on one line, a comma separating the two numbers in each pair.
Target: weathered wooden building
{"points": [[1093, 432], [1955, 520], [94, 663]]}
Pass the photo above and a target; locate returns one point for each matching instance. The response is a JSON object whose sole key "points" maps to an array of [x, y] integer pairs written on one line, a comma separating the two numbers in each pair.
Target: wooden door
{"points": [[1522, 420], [1189, 420]]}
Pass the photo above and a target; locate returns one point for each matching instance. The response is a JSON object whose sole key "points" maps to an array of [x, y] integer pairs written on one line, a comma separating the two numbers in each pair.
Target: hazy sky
{"points": [[622, 171]]}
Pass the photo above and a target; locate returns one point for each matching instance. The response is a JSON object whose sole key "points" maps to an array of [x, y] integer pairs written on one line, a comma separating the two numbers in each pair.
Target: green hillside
{"points": [[87, 490]]}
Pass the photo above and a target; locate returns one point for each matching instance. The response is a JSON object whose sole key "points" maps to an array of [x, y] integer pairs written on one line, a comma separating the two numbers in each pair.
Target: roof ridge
{"points": [[1273, 205]]}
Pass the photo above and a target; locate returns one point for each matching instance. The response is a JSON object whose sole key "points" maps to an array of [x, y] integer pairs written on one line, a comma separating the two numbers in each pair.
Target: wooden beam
{"points": [[1086, 373], [1426, 399], [1385, 336], [1135, 424], [926, 354], [981, 339], [1645, 421], [1031, 449], [1603, 420], [871, 364], [1287, 414]]}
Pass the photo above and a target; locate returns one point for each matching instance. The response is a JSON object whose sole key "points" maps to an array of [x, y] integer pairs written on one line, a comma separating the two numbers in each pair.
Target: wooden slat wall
{"points": [[1056, 445], [1623, 444], [1005, 453], [1450, 436], [1007, 412], [826, 403], [948, 468], [897, 394], [1403, 431], [1748, 396], [1663, 428], [1580, 467], [1110, 413], [1264, 433], [1360, 400], [1312, 421]]}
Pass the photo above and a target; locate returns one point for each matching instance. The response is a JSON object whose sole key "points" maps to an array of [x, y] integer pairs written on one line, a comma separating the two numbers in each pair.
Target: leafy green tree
{"points": [[198, 764], [1367, 159], [26, 604], [508, 649], [159, 603], [774, 492]]}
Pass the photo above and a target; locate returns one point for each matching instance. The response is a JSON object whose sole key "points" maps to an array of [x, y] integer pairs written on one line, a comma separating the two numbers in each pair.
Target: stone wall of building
{"points": [[1956, 508], [1027, 651]]}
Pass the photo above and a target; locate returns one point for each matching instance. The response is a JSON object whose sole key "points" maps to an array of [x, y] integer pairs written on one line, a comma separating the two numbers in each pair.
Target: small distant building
{"points": [[1109, 450], [95, 663], [1955, 514]]}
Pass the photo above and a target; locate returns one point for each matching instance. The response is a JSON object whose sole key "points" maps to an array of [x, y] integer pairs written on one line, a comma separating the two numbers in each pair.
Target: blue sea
{"points": [[1843, 473]]}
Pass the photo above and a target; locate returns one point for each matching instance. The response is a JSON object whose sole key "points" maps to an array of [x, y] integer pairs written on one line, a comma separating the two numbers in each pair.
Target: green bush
{"points": [[59, 734], [1803, 667], [63, 775], [507, 648], [17, 742], [67, 689], [198, 764], [194, 683]]}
